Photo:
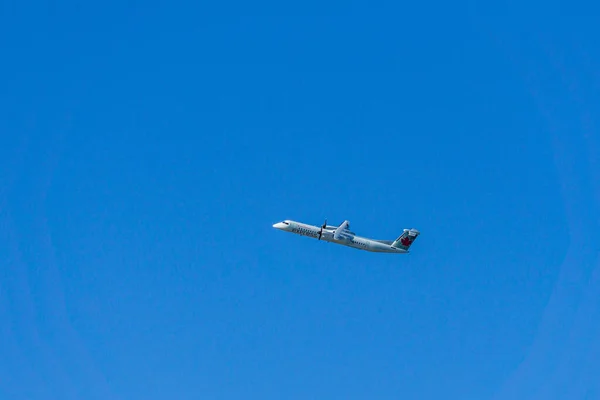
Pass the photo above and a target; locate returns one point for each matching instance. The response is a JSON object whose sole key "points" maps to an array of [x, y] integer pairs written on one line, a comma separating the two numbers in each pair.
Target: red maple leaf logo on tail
{"points": [[406, 241]]}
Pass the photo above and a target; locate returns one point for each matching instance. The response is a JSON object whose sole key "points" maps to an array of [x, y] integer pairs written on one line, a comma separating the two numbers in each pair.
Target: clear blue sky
{"points": [[146, 149]]}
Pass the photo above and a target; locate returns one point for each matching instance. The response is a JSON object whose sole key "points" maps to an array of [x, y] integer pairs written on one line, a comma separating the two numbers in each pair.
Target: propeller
{"points": [[322, 227]]}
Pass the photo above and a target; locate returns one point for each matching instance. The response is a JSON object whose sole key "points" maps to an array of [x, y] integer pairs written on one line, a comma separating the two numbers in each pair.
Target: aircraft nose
{"points": [[279, 225]]}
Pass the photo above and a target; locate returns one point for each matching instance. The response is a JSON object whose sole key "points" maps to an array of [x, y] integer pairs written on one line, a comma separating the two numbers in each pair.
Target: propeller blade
{"points": [[322, 227]]}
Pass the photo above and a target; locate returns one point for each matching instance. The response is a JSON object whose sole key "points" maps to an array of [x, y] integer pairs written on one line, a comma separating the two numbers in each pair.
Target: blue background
{"points": [[147, 148]]}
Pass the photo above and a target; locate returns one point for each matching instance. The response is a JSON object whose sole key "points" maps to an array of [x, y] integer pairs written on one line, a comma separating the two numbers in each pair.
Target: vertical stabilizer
{"points": [[406, 239]]}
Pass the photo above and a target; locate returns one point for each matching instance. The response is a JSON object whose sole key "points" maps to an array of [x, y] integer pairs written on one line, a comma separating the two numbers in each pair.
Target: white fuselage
{"points": [[347, 238]]}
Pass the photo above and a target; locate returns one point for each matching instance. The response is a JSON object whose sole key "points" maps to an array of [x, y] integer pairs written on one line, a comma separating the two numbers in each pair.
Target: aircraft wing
{"points": [[337, 234]]}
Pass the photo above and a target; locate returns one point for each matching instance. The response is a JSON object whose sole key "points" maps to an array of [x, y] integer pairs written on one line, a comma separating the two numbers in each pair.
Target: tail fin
{"points": [[407, 238]]}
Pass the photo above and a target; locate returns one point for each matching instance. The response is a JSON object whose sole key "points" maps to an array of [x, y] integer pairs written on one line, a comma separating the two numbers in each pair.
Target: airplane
{"points": [[343, 235]]}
